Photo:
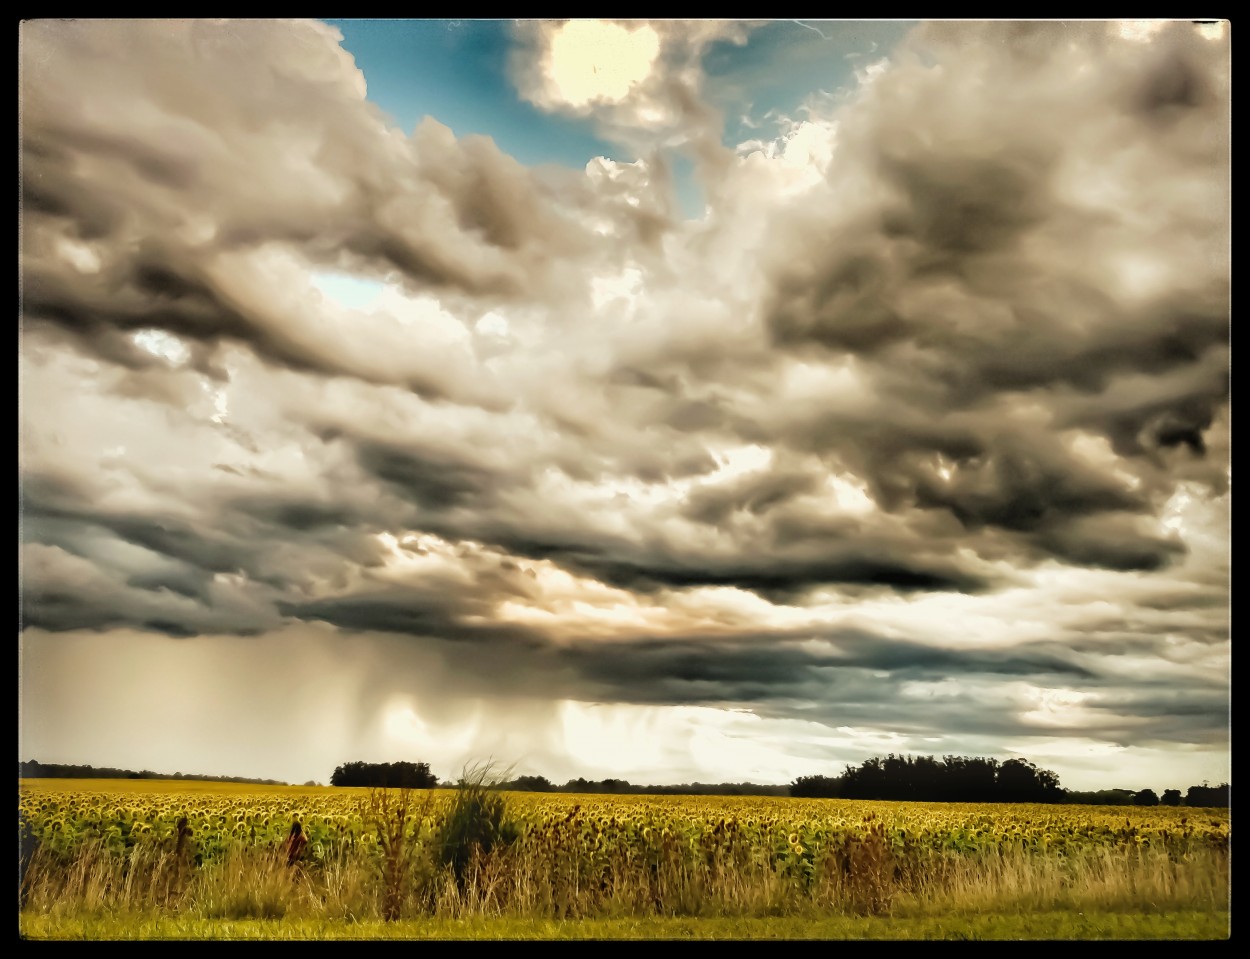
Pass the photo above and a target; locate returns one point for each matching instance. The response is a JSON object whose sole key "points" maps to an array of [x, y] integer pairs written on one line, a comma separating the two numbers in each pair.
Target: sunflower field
{"points": [[223, 850]]}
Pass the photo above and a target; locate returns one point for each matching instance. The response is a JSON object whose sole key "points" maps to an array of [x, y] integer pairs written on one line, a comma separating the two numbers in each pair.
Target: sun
{"points": [[596, 61]]}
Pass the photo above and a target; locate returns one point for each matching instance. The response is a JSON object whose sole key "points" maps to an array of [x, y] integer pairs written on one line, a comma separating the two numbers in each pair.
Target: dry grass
{"points": [[551, 882], [466, 859]]}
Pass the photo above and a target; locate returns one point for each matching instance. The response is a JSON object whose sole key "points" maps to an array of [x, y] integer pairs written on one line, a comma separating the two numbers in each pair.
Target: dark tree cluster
{"points": [[1195, 796], [817, 787], [583, 785], [718, 789], [402, 775], [621, 786], [1102, 797], [927, 779], [967, 779], [530, 784], [541, 784], [1209, 795]]}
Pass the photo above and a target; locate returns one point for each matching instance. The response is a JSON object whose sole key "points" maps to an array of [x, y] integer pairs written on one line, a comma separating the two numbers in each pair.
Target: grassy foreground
{"points": [[475, 863], [1184, 925]]}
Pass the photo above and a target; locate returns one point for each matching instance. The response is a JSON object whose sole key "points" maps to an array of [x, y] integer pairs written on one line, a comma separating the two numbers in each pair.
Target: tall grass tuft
{"points": [[250, 882], [398, 817], [477, 823]]}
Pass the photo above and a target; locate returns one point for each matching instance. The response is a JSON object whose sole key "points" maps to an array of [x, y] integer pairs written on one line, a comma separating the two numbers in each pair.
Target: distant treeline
{"points": [[541, 784], [401, 775], [977, 779], [927, 779], [915, 778], [37, 770], [1194, 796]]}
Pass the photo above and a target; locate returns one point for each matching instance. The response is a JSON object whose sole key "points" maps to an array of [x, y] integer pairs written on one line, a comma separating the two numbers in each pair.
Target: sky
{"points": [[665, 400]]}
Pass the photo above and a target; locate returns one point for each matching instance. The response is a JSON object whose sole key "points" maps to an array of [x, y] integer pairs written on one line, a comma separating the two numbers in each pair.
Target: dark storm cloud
{"points": [[1191, 706], [755, 494], [1149, 414], [1025, 482], [431, 479], [300, 515], [457, 494], [243, 136], [122, 570], [1154, 633], [1186, 599], [63, 591], [777, 576], [1163, 714], [770, 573], [979, 277], [264, 547], [187, 583], [171, 537], [153, 290], [1017, 488], [77, 576], [1110, 541], [703, 669], [414, 612], [860, 681], [866, 680]]}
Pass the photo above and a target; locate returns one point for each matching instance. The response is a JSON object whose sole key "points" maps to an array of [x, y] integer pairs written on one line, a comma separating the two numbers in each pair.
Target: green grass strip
{"points": [[987, 926]]}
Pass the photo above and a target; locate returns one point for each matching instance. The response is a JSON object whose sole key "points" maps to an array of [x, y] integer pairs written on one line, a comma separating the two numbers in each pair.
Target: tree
{"points": [[402, 775], [816, 787], [1021, 781], [1102, 797], [969, 779], [1171, 797], [1145, 797], [923, 778], [531, 784], [1205, 795]]}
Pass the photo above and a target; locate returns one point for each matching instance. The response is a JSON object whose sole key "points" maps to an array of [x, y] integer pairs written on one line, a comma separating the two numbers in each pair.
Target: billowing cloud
{"points": [[640, 81], [639, 73]]}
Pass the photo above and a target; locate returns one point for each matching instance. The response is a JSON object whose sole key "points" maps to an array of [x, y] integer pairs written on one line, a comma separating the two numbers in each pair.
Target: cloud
{"points": [[591, 61], [913, 293], [643, 74], [640, 82], [751, 668], [984, 278], [170, 171]]}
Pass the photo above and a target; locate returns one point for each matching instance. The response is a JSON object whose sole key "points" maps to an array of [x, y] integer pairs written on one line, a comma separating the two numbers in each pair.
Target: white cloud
{"points": [[591, 61]]}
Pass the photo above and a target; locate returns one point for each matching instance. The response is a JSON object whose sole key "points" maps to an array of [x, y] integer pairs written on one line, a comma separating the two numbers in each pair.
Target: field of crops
{"points": [[217, 850]]}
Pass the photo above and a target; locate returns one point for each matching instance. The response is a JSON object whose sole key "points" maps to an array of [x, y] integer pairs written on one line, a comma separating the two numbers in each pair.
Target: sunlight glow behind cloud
{"points": [[354, 292], [597, 60]]}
